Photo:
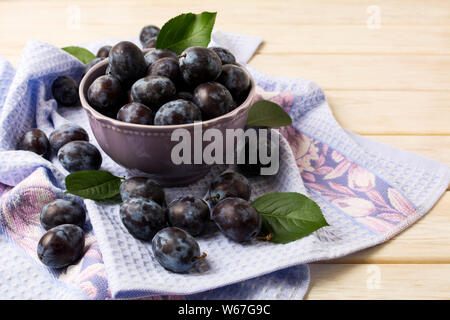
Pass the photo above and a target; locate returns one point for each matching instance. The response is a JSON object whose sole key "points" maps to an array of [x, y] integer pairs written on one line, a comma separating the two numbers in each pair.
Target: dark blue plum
{"points": [[142, 217], [249, 168], [62, 211], [36, 141], [65, 91], [153, 91], [176, 250], [198, 65], [237, 219], [157, 54], [127, 62], [105, 93], [178, 112], [226, 57], [189, 213], [229, 184], [166, 67], [141, 187], [151, 43], [65, 134], [61, 246], [103, 52], [185, 95], [89, 65], [135, 112], [79, 155], [236, 80], [147, 33], [213, 99]]}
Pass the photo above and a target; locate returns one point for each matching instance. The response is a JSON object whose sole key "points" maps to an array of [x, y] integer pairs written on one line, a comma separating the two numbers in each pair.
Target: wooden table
{"points": [[384, 65]]}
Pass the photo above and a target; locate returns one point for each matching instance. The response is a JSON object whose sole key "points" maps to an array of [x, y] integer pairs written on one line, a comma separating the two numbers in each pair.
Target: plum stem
{"points": [[212, 197], [266, 238], [200, 257]]}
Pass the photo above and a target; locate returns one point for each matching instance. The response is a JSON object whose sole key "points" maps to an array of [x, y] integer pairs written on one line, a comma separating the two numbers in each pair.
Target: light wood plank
{"points": [[392, 112], [341, 27], [361, 72], [427, 241], [434, 147], [323, 39], [299, 12], [378, 281]]}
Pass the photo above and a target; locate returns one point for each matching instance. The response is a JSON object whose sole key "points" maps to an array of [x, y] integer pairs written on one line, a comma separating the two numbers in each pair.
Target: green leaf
{"points": [[289, 216], [93, 184], [81, 54], [266, 113], [186, 30]]}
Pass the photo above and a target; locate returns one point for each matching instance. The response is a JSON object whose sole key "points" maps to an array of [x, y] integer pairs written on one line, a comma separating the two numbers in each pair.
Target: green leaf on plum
{"points": [[81, 54], [288, 216], [265, 113], [186, 30], [93, 184]]}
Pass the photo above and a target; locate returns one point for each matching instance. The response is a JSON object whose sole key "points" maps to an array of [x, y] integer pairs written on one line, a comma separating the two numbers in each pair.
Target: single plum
{"points": [[178, 112], [198, 65], [135, 112], [65, 134], [142, 187], [61, 246], [213, 99], [36, 141], [79, 155], [142, 217], [176, 250], [65, 91], [189, 213], [237, 219], [153, 91], [62, 211]]}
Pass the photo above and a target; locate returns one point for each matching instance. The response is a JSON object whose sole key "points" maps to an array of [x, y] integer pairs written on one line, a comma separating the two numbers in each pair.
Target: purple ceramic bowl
{"points": [[146, 150]]}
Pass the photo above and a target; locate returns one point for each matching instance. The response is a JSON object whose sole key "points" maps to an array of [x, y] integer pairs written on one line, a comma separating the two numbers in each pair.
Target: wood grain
{"points": [[379, 281], [391, 84]]}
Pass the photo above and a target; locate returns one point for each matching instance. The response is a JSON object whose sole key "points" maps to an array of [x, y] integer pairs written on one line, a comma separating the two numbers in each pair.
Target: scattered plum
{"points": [[142, 217], [176, 250], [36, 141], [65, 134], [189, 213], [65, 91], [62, 211], [61, 246], [141, 187], [237, 219], [79, 155]]}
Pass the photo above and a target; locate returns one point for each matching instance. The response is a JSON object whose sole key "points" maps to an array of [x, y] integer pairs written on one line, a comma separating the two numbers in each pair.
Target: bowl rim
{"points": [[126, 125]]}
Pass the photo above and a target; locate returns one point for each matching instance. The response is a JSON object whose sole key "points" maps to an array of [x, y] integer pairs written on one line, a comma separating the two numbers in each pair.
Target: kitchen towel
{"points": [[368, 192]]}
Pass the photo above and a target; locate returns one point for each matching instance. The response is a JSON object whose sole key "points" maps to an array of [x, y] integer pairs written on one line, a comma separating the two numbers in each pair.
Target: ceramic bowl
{"points": [[147, 149]]}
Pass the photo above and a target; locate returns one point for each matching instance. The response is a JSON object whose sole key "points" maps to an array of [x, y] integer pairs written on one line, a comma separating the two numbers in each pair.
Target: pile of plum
{"points": [[172, 228], [162, 88], [69, 142], [158, 88], [63, 243]]}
